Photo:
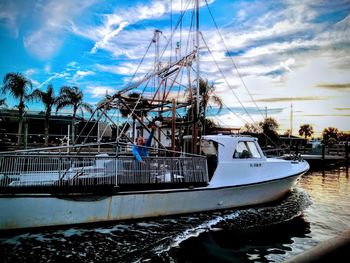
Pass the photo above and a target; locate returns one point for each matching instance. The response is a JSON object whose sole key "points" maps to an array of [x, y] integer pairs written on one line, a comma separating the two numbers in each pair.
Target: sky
{"points": [[263, 57]]}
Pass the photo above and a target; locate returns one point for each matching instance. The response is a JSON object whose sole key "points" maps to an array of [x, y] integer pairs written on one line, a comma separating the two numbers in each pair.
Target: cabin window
{"points": [[246, 150]]}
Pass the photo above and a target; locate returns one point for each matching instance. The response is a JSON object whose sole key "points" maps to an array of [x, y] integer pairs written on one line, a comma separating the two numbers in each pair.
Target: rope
{"points": [[253, 122], [234, 64]]}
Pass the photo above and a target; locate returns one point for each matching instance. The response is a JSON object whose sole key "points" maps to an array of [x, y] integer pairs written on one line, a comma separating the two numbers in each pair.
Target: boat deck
{"points": [[96, 174]]}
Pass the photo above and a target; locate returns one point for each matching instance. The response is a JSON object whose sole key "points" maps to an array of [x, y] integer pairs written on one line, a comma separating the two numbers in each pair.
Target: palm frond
{"points": [[16, 84], [86, 106], [63, 102]]}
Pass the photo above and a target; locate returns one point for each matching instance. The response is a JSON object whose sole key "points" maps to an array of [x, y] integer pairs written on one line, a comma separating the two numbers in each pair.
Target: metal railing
{"points": [[63, 171]]}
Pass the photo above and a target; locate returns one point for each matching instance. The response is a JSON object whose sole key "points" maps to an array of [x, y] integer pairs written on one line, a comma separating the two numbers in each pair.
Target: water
{"points": [[318, 209]]}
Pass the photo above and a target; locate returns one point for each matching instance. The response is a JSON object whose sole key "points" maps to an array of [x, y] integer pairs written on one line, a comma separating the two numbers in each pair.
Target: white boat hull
{"points": [[39, 210]]}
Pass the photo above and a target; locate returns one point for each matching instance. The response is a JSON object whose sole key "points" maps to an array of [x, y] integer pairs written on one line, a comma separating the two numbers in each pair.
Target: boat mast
{"points": [[197, 56], [157, 67], [196, 115]]}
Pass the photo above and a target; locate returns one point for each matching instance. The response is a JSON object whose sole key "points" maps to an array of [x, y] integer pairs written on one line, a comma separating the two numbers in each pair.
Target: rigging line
{"points": [[171, 27], [234, 64], [247, 122], [105, 129], [179, 83], [86, 125], [107, 117], [235, 113], [132, 112], [227, 83], [180, 54], [175, 28], [253, 122], [188, 46], [221, 121], [138, 67], [180, 48]]}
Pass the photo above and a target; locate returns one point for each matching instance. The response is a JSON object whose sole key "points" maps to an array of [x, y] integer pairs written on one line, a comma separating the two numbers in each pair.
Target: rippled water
{"points": [[318, 209]]}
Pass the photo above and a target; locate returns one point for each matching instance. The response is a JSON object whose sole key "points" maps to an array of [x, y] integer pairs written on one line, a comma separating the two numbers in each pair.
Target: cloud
{"points": [[290, 99], [326, 115], [106, 38], [125, 68], [100, 91], [9, 16], [113, 24], [53, 19], [60, 75], [81, 74], [29, 72], [334, 86], [43, 44], [342, 109]]}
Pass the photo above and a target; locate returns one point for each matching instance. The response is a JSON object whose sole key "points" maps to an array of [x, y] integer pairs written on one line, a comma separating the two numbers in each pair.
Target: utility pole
{"points": [[291, 119]]}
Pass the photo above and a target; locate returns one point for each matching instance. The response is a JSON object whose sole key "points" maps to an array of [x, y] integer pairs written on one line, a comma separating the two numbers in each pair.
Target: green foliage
{"points": [[49, 100], [269, 129], [207, 97], [136, 103], [306, 130], [19, 87], [73, 97], [330, 135]]}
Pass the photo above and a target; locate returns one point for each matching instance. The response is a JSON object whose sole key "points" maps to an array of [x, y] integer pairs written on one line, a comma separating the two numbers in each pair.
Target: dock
{"points": [[324, 156]]}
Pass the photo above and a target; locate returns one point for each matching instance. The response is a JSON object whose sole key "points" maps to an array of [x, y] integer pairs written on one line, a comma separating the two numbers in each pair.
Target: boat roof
{"points": [[223, 139]]}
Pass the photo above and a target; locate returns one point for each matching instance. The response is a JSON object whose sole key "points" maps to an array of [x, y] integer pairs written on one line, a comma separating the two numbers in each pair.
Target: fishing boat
{"points": [[84, 183], [51, 190]]}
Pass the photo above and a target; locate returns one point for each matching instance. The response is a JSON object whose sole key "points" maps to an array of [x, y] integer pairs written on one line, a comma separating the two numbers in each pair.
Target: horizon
{"points": [[288, 53]]}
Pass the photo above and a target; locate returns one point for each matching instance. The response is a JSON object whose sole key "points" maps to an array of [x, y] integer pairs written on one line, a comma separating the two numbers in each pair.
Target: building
{"points": [[34, 129]]}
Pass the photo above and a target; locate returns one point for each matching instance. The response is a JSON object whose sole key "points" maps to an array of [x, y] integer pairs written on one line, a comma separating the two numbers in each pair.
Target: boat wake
{"points": [[146, 240]]}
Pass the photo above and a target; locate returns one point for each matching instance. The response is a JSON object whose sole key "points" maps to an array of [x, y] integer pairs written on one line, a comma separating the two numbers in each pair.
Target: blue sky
{"points": [[287, 52]]}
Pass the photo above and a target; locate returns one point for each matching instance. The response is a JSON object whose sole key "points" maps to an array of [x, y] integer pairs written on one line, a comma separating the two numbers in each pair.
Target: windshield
{"points": [[246, 150]]}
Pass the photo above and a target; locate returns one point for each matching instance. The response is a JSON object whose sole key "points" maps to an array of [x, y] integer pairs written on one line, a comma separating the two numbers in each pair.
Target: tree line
{"points": [[20, 88], [269, 126]]}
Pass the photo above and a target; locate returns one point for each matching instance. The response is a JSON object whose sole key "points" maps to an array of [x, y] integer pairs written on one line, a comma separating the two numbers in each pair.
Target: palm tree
{"points": [[72, 97], [306, 130], [49, 100], [330, 135], [19, 87], [269, 127], [206, 95]]}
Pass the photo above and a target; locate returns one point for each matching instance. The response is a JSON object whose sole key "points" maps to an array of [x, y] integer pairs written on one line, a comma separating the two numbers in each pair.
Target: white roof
{"points": [[228, 139]]}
